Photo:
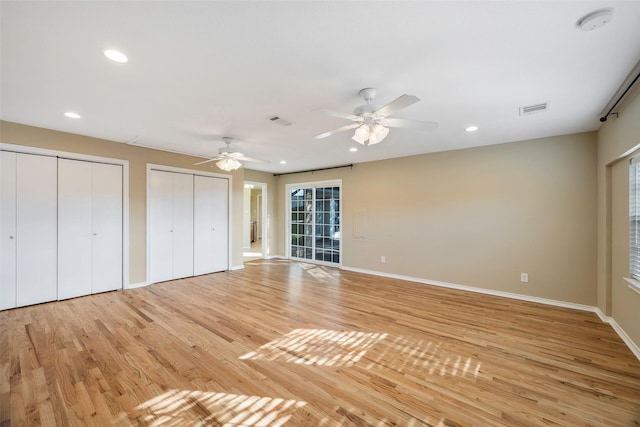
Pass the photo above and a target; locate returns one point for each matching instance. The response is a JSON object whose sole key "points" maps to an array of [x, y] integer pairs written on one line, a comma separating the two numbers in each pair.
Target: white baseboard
{"points": [[623, 335], [237, 267]]}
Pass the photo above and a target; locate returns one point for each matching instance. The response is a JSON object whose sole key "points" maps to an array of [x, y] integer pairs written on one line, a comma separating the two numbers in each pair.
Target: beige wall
{"points": [[138, 157], [616, 138], [476, 217]]}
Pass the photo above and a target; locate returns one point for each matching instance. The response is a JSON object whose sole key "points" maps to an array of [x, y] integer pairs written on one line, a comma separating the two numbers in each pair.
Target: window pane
{"points": [[314, 223]]}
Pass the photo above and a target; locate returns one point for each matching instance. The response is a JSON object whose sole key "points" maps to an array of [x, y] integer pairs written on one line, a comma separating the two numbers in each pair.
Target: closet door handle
{"points": [[11, 237]]}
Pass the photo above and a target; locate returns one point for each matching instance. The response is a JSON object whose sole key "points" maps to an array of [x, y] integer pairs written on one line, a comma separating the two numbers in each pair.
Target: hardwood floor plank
{"points": [[291, 344]]}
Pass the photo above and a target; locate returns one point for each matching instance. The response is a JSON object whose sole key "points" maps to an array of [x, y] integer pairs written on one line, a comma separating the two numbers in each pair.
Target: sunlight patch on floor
{"points": [[185, 407], [317, 347], [421, 357]]}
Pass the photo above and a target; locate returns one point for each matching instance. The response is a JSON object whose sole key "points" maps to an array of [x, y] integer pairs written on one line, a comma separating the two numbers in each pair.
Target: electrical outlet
{"points": [[383, 259], [524, 277]]}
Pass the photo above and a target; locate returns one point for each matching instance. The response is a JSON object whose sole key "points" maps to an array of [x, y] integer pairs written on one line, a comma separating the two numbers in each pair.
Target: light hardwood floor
{"points": [[290, 344]]}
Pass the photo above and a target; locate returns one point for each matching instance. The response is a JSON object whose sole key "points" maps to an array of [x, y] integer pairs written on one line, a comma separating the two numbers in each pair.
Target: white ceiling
{"points": [[202, 70]]}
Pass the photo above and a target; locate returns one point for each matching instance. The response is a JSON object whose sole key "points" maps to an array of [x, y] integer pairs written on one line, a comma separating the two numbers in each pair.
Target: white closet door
{"points": [[160, 225], [210, 224], [106, 263], [74, 228], [221, 225], [36, 232], [182, 225], [7, 230]]}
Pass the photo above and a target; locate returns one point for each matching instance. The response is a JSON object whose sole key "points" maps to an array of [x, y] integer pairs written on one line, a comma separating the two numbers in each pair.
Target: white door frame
{"points": [[151, 166], [264, 215], [313, 184], [125, 190]]}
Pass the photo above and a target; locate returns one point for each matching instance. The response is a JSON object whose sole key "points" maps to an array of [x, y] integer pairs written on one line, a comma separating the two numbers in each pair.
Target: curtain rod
{"points": [[606, 116], [314, 170]]}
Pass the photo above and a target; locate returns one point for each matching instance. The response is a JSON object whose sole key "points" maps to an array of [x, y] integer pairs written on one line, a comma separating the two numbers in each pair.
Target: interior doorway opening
{"points": [[254, 220]]}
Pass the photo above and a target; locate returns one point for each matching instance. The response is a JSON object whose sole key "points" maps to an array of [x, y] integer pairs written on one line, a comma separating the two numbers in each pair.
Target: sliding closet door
{"points": [[211, 230], [170, 225], [36, 229], [107, 236], [74, 228], [7, 230], [160, 225], [89, 228], [182, 225]]}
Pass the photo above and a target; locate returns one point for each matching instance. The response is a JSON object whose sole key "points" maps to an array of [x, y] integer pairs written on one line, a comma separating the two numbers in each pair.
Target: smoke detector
{"points": [[596, 19]]}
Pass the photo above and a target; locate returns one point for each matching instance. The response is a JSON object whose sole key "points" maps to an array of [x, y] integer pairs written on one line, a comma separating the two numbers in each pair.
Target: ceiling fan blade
{"points": [[250, 159], [340, 129], [408, 124], [397, 104], [337, 114], [206, 161]]}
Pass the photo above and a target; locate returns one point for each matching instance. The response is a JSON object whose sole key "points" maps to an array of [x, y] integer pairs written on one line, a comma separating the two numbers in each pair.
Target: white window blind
{"points": [[634, 218]]}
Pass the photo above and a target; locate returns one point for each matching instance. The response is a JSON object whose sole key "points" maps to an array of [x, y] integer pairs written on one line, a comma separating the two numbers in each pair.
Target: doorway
{"points": [[314, 222], [254, 221]]}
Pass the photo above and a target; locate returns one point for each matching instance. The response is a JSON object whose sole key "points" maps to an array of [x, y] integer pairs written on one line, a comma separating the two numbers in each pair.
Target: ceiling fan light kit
{"points": [[371, 122], [228, 164], [227, 160]]}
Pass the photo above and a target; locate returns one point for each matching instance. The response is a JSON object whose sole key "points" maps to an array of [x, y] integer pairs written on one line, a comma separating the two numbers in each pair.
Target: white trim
{"points": [[621, 333], [150, 167], [237, 267], [265, 216], [606, 319], [165, 168], [97, 159], [137, 285], [547, 301], [287, 207], [634, 285]]}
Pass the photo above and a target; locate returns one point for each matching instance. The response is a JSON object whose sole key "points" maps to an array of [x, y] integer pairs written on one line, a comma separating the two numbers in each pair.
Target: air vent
{"points": [[279, 120], [532, 109]]}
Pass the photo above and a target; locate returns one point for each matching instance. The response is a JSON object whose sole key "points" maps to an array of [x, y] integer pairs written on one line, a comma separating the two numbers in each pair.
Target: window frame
{"points": [[288, 209]]}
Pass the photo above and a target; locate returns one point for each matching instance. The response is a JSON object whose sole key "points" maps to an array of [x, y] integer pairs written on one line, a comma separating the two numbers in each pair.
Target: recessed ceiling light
{"points": [[283, 162], [353, 149], [72, 115], [115, 55], [472, 128]]}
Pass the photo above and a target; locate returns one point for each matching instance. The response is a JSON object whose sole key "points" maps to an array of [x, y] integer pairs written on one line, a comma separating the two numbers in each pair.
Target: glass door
{"points": [[314, 215]]}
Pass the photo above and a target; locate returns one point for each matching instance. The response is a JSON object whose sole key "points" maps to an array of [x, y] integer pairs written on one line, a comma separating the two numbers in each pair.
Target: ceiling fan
{"points": [[372, 122], [229, 160]]}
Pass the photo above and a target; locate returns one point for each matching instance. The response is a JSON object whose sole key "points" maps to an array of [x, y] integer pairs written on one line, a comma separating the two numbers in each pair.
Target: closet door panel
{"points": [[106, 227], [221, 224], [182, 225], [210, 225], [36, 233], [7, 230], [203, 228], [74, 228], [161, 225]]}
